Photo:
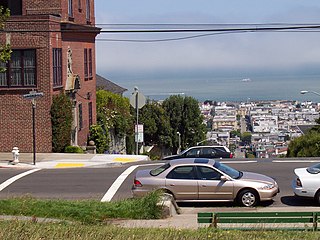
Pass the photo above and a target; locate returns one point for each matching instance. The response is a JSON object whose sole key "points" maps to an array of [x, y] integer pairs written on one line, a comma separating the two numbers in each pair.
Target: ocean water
{"points": [[232, 88]]}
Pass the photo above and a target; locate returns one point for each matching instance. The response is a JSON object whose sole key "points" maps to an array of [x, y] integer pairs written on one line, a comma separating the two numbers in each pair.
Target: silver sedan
{"points": [[201, 179]]}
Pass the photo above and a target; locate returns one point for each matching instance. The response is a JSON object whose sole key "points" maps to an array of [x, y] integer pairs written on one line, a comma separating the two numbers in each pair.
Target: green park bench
{"points": [[261, 220]]}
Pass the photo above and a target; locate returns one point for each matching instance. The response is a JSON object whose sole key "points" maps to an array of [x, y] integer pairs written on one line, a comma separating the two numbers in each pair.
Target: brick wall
{"points": [[15, 111]]}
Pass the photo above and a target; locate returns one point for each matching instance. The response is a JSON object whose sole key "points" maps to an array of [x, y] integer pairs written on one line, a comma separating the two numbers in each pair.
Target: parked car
{"points": [[203, 152], [205, 180], [307, 182]]}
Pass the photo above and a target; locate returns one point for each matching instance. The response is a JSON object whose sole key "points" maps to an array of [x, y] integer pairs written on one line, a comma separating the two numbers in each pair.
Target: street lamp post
{"points": [[307, 91], [136, 90], [179, 142]]}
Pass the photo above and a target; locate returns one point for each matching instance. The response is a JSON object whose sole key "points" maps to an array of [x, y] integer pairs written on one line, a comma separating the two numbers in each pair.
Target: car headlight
{"points": [[266, 187]]}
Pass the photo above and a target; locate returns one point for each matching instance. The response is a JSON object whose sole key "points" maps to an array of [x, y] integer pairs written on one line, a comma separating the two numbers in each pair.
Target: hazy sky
{"points": [[243, 55]]}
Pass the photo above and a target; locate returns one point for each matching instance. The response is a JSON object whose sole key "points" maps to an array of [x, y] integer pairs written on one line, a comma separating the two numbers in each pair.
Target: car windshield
{"points": [[314, 169], [235, 174], [157, 171]]}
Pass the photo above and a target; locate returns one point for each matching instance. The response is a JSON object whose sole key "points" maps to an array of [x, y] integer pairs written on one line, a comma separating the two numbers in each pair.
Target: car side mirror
{"points": [[224, 178]]}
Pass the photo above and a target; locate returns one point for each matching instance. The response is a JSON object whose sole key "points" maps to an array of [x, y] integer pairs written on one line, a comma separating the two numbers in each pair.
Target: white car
{"points": [[307, 182]]}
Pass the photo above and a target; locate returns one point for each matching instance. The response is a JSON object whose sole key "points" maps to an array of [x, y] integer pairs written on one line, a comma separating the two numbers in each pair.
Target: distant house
{"points": [[105, 84]]}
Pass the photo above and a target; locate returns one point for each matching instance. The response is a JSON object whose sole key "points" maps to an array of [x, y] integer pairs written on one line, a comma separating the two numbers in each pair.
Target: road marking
{"points": [[118, 182], [295, 161], [15, 178], [123, 159], [250, 161], [68, 165]]}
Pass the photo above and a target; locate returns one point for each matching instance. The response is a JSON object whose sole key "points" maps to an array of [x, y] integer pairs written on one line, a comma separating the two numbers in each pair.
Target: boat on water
{"points": [[246, 80]]}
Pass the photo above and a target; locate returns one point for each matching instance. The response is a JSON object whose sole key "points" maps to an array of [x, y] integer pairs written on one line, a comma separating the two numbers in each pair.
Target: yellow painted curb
{"points": [[66, 165], [122, 159]]}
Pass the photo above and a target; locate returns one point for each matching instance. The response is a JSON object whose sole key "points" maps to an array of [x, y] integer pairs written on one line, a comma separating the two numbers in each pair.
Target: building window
{"points": [[80, 117], [90, 63], [57, 67], [21, 70], [86, 76], [88, 10], [15, 6], [87, 64], [90, 113], [70, 8]]}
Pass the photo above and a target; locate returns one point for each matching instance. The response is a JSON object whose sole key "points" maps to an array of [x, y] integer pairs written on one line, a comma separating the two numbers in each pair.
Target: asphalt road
{"points": [[95, 183]]}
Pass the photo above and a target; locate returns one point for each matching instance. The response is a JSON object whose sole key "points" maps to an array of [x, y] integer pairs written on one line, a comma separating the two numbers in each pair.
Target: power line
{"points": [[234, 29], [164, 39], [275, 27]]}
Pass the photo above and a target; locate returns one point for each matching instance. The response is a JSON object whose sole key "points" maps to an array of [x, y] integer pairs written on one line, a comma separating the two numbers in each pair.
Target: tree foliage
{"points": [[61, 120], [100, 138], [246, 138], [307, 145], [156, 123], [185, 118], [5, 49], [113, 112]]}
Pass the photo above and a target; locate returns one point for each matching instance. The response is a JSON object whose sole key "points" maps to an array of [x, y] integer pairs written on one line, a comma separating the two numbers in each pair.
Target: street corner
{"points": [[17, 165]]}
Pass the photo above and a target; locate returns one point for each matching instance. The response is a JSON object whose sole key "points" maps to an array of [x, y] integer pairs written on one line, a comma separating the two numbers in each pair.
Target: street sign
{"points": [[141, 100], [32, 95], [139, 133]]}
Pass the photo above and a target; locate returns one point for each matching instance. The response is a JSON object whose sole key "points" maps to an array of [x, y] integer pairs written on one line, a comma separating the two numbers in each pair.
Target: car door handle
{"points": [[171, 184]]}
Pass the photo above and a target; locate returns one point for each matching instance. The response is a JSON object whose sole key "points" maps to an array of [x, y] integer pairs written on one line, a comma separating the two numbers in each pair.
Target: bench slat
{"points": [[264, 214], [264, 220], [260, 218]]}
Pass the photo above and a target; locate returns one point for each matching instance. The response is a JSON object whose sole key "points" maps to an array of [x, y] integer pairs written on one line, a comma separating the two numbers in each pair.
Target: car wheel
{"points": [[317, 197], [248, 198]]}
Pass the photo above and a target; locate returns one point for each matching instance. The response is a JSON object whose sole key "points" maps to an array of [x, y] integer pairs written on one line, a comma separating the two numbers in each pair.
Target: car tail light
{"points": [[137, 183], [231, 156], [298, 182]]}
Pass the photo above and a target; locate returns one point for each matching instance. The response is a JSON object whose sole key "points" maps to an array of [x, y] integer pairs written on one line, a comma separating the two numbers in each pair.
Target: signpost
{"points": [[137, 100], [33, 95]]}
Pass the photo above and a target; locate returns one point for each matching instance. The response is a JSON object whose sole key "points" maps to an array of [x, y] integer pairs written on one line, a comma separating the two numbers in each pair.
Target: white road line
{"points": [[118, 182], [15, 178], [295, 161], [250, 161]]}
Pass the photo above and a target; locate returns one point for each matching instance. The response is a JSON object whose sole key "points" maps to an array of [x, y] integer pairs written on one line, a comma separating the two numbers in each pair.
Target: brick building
{"points": [[53, 45]]}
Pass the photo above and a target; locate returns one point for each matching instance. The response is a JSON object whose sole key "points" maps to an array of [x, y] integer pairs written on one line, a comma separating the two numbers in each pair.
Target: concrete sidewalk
{"points": [[67, 160], [188, 217]]}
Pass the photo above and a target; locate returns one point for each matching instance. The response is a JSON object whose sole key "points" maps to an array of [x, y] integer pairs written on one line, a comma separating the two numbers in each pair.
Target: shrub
{"points": [[73, 149], [61, 120], [100, 138]]}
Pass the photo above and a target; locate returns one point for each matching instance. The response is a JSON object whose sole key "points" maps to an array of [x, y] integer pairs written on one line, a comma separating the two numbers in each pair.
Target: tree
{"points": [[307, 145], [156, 125], [185, 118], [246, 138], [113, 112], [61, 120], [5, 49], [113, 115]]}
